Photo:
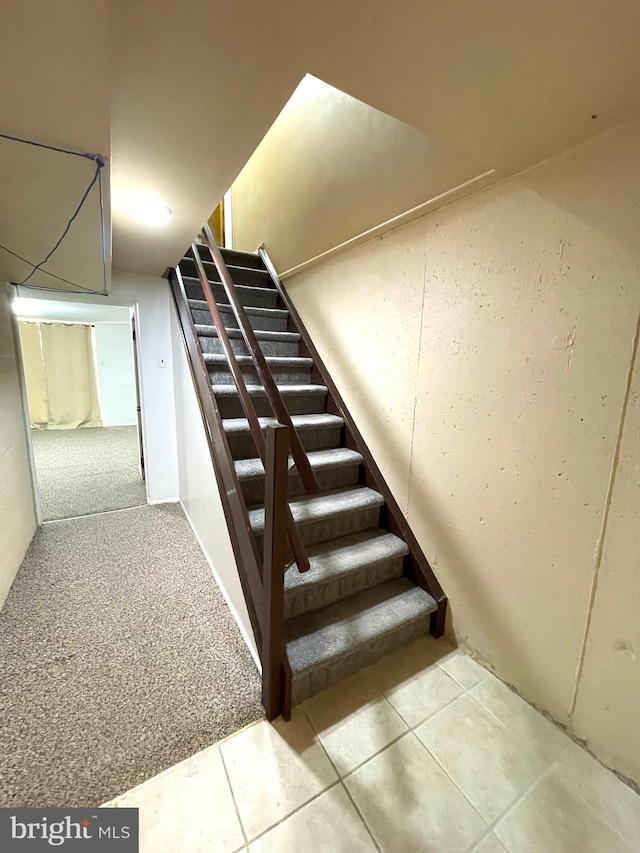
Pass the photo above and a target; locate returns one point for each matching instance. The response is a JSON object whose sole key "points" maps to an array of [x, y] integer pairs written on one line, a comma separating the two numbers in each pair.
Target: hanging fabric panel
{"points": [[34, 374], [71, 376]]}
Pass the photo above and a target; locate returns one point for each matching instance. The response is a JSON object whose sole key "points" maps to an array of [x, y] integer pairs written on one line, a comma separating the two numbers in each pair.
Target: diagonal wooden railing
{"points": [[297, 547], [262, 368]]}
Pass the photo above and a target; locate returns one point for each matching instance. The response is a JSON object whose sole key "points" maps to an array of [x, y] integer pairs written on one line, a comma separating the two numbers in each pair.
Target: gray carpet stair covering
{"points": [[354, 605]]}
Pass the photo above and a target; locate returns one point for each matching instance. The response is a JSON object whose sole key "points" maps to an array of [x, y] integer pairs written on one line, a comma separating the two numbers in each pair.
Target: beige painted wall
{"points": [[332, 167], [484, 351], [17, 512]]}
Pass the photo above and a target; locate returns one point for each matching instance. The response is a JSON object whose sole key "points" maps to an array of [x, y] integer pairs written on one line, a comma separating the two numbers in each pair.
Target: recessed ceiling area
{"points": [[44, 188], [177, 97]]}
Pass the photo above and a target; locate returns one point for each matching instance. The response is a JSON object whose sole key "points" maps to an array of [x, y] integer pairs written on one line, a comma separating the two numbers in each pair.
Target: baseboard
{"points": [[123, 424], [220, 586]]}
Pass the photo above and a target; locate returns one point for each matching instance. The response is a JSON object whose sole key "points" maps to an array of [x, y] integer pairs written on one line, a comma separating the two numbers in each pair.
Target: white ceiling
{"points": [[177, 96], [54, 67]]}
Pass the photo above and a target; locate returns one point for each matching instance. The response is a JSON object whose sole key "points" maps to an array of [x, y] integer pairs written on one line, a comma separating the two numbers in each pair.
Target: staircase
{"points": [[360, 587]]}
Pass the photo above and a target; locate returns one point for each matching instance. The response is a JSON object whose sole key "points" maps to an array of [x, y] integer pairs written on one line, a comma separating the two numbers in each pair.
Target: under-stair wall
{"points": [[198, 490], [487, 354]]}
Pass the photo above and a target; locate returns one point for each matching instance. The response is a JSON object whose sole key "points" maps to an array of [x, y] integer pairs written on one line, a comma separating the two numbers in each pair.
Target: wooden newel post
{"points": [[275, 540]]}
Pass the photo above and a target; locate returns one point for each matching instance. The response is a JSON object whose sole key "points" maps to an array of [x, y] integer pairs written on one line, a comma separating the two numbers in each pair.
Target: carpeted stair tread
{"points": [[234, 269], [274, 361], [245, 289], [345, 556], [300, 422], [259, 391], [232, 257], [247, 469], [212, 332], [349, 627], [325, 505], [201, 305]]}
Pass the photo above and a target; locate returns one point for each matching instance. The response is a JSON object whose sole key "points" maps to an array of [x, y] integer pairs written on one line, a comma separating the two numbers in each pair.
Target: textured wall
{"points": [[485, 351], [17, 514]]}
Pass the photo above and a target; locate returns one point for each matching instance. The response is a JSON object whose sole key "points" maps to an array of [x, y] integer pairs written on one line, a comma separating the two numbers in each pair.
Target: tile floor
{"points": [[425, 751]]}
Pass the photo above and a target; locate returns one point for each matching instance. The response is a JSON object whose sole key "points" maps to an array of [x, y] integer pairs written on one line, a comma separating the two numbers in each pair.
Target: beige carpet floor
{"points": [[87, 470], [118, 658]]}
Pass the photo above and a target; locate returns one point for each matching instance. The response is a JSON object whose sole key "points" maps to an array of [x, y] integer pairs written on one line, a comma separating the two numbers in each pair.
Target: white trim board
{"points": [[455, 193]]}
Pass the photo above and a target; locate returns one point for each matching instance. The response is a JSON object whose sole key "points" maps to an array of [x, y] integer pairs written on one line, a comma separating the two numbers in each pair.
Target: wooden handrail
{"points": [[275, 505], [263, 370], [247, 403], [420, 567]]}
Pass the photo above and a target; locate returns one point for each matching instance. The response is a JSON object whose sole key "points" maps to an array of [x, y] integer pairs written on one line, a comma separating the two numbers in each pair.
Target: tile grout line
{"points": [[466, 690], [605, 519], [233, 798], [341, 780], [295, 811], [410, 731]]}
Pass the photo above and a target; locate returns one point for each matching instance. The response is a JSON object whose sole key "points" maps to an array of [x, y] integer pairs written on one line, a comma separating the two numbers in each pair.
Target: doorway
{"points": [[81, 387]]}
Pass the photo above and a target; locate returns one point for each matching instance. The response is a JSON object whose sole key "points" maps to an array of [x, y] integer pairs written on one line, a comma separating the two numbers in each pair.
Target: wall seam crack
{"points": [[415, 385], [605, 519]]}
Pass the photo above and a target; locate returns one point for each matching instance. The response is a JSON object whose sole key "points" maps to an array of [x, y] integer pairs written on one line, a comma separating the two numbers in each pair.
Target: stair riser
{"points": [[241, 259], [343, 524], [300, 600], [328, 478], [308, 684], [284, 349], [240, 275], [232, 257], [306, 404], [264, 324], [249, 297], [220, 375], [243, 447]]}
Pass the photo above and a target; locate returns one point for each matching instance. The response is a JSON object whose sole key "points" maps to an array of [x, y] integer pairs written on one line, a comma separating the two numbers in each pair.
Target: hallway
{"points": [[89, 470], [118, 658]]}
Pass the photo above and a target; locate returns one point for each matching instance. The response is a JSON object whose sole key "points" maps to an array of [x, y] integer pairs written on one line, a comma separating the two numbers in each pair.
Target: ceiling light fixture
{"points": [[149, 209]]}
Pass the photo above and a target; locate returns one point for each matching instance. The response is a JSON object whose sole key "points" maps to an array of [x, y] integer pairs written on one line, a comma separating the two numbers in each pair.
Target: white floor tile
{"points": [[353, 721], [275, 768], [328, 824], [463, 669], [489, 764], [409, 803], [420, 696], [610, 798], [520, 718], [553, 817], [188, 808]]}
